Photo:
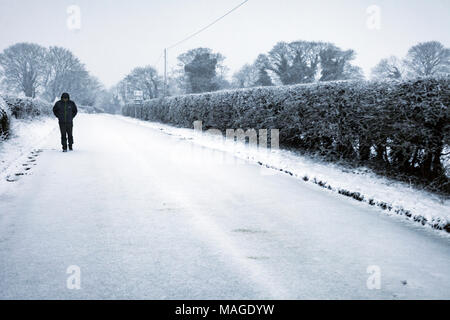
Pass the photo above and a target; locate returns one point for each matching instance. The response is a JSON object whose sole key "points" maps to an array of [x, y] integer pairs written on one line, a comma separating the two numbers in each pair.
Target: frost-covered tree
{"points": [[65, 73], [147, 80], [352, 72], [175, 82], [264, 78], [261, 64], [108, 100], [305, 62], [391, 68], [86, 91], [34, 70], [246, 77], [122, 92], [23, 66], [252, 75], [221, 77], [200, 68], [335, 63], [294, 62], [2, 82], [428, 59]]}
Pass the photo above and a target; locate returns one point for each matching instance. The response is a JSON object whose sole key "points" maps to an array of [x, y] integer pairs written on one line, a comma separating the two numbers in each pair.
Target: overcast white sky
{"points": [[117, 35]]}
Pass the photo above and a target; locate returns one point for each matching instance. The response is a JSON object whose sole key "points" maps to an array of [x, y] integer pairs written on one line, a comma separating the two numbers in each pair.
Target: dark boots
{"points": [[65, 148]]}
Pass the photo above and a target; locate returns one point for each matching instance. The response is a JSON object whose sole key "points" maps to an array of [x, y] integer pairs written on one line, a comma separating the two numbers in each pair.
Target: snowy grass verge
{"points": [[361, 184], [25, 135]]}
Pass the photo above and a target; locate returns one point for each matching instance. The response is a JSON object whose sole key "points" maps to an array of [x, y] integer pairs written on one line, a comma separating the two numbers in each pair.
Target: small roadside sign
{"points": [[138, 94]]}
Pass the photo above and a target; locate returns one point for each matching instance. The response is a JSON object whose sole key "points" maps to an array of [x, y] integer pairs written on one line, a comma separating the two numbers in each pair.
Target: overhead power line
{"points": [[189, 37], [209, 25], [159, 58]]}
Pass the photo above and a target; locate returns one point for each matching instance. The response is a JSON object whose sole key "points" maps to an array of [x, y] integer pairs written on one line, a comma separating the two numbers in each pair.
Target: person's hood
{"points": [[65, 95]]}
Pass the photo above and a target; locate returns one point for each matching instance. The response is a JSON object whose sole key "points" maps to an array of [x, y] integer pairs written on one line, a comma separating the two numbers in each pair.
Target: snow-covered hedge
{"points": [[4, 119], [400, 127], [24, 107], [20, 108]]}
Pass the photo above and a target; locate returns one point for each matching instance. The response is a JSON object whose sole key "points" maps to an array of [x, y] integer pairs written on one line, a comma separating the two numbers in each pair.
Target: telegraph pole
{"points": [[189, 37]]}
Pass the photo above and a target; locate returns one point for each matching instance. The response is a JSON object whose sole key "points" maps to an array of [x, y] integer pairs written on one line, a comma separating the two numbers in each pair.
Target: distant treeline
{"points": [[30, 70], [202, 70], [36, 71]]}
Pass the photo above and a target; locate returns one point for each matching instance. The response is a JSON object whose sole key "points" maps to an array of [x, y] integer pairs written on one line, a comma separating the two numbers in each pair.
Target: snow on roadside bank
{"points": [[26, 135], [361, 184]]}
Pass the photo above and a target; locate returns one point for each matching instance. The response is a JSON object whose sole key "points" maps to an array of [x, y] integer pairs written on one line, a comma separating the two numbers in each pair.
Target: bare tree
{"points": [[24, 66], [253, 75], [334, 63], [428, 59], [305, 62], [389, 68], [2, 81], [108, 100], [65, 73], [202, 70], [145, 79], [294, 62], [352, 72], [246, 77], [87, 90], [261, 64]]}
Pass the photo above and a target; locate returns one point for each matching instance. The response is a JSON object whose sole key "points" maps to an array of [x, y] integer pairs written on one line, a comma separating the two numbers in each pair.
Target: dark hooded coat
{"points": [[65, 111]]}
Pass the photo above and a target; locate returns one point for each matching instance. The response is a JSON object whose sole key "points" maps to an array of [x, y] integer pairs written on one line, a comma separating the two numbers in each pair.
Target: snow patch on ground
{"points": [[26, 135], [361, 183]]}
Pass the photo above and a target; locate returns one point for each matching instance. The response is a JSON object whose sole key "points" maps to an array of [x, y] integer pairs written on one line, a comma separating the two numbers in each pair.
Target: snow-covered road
{"points": [[147, 215]]}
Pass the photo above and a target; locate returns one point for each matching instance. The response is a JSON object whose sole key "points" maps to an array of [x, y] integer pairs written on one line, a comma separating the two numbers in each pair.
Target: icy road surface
{"points": [[147, 215]]}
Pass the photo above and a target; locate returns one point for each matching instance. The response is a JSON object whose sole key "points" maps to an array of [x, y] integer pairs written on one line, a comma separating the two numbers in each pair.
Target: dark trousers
{"points": [[66, 132]]}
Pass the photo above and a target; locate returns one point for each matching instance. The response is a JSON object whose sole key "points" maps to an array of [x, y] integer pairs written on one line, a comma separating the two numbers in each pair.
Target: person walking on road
{"points": [[65, 110]]}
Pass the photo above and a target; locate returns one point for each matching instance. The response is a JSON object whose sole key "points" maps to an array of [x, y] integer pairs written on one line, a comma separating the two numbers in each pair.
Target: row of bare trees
{"points": [[36, 71], [145, 79], [424, 59], [298, 62], [202, 70]]}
